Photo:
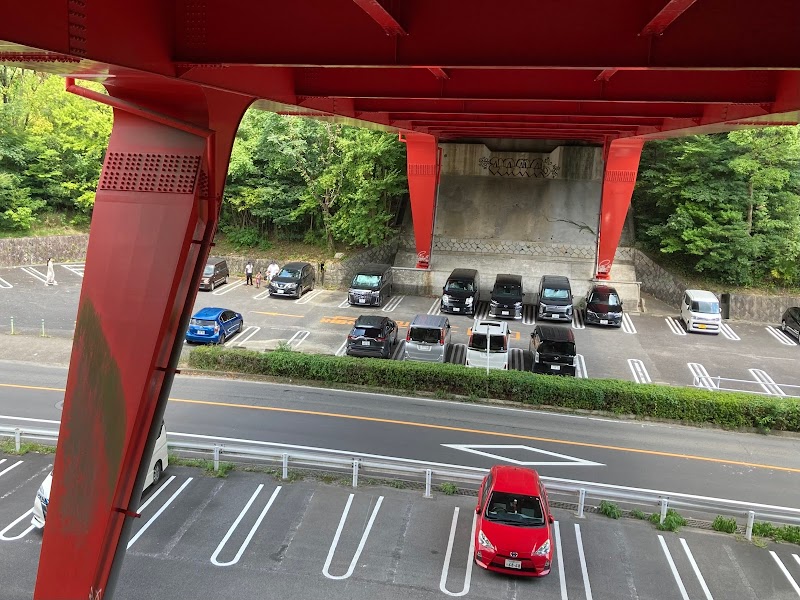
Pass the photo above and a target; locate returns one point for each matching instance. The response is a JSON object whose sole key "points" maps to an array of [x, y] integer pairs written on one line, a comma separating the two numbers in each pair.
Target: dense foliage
{"points": [[725, 205], [691, 405]]}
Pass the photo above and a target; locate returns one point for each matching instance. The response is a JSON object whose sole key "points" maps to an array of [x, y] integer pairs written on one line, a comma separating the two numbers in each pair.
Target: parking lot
{"points": [[202, 537], [754, 357]]}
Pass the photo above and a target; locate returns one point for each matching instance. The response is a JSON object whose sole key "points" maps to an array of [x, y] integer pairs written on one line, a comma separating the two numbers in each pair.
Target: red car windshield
{"points": [[515, 509]]}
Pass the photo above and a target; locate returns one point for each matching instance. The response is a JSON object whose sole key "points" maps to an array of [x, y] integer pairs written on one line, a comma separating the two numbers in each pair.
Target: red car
{"points": [[512, 534]]}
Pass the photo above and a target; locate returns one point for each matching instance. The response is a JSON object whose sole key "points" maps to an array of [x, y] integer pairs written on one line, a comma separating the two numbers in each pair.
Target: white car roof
{"points": [[701, 295], [499, 327]]}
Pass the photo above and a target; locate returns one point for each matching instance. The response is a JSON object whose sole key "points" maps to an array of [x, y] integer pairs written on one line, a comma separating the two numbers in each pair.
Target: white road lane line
{"points": [[785, 571], [244, 336], [701, 376], [262, 295], [393, 304], [697, 572], [7, 469], [728, 332], [577, 320], [449, 553], [345, 303], [627, 324], [229, 287], [11, 526], [308, 297], [361, 544], [580, 371], [673, 568], [766, 382], [342, 350], [640, 374], [675, 326], [35, 273], [76, 269], [582, 557], [250, 535], [155, 494], [560, 561], [780, 336], [298, 338], [146, 526], [4, 284]]}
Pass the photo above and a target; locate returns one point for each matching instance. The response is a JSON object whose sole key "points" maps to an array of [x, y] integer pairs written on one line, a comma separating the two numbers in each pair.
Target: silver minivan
{"points": [[427, 339]]}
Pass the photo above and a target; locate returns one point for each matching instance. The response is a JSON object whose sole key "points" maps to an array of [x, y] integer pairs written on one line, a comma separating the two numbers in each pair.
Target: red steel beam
{"points": [[381, 16], [439, 73], [666, 16]]}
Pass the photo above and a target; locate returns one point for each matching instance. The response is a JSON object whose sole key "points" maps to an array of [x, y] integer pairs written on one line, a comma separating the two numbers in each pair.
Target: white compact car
{"points": [[488, 345], [158, 463]]}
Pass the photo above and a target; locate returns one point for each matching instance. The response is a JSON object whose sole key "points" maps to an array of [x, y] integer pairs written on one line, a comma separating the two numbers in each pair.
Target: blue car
{"points": [[213, 326]]}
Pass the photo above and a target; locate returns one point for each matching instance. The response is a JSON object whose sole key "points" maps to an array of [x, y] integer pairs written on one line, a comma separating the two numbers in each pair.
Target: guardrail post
{"points": [[751, 517], [216, 456], [355, 472], [581, 502], [285, 458], [12, 325], [17, 438], [43, 335], [664, 505], [428, 475]]}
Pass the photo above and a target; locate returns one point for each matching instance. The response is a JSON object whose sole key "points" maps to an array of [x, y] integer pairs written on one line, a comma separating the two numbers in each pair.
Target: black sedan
{"points": [[603, 306], [372, 336], [790, 321]]}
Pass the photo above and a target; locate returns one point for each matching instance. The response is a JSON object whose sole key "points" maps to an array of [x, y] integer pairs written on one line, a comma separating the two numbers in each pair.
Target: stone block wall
{"points": [[658, 282], [16, 252], [339, 274]]}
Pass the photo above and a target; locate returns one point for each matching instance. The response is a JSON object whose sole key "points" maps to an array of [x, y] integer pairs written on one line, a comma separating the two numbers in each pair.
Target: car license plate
{"points": [[701, 326], [365, 342], [362, 300], [200, 332], [281, 291], [555, 367], [425, 348], [505, 312], [513, 564], [456, 309], [603, 321]]}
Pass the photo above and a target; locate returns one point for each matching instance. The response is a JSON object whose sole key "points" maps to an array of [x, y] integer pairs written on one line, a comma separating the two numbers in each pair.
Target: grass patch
{"points": [[673, 521], [9, 446], [724, 524], [637, 514], [609, 509], [448, 488], [779, 533]]}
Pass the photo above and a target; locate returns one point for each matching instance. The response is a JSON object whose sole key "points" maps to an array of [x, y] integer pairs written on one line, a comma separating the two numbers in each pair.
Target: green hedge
{"points": [[692, 405]]}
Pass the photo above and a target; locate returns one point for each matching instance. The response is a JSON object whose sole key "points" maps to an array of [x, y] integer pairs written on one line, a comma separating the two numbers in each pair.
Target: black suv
{"points": [[603, 306], [790, 321], [294, 279], [553, 350], [507, 296], [372, 336]]}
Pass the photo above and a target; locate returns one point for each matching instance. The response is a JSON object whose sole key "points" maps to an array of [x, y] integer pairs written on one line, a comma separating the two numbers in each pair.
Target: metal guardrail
{"points": [[396, 468], [768, 388]]}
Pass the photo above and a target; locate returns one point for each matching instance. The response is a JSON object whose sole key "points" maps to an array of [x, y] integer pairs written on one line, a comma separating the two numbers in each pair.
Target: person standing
{"points": [[272, 270], [51, 273], [258, 280], [248, 271]]}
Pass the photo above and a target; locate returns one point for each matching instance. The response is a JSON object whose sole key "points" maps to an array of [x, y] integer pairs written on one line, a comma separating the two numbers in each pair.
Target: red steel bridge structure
{"points": [[180, 74]]}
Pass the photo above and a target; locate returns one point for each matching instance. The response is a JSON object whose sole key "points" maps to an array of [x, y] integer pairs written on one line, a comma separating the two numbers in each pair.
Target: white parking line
{"points": [[250, 535], [697, 572], [76, 269], [11, 526], [675, 326], [4, 285], [766, 382], [560, 560], [528, 314], [627, 324], [399, 352], [640, 374], [785, 571], [470, 561], [702, 377], [361, 544], [245, 335], [229, 287], [673, 568], [393, 303], [728, 332], [342, 349], [308, 297], [262, 295], [482, 310], [577, 320], [146, 526], [345, 303], [580, 369], [436, 307], [298, 338], [7, 469], [35, 273], [155, 494], [586, 586], [780, 336]]}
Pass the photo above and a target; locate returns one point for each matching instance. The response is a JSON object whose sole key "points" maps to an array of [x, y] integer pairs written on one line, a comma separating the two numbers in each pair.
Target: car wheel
{"points": [[226, 279], [221, 338], [213, 285], [156, 472], [241, 326], [783, 326]]}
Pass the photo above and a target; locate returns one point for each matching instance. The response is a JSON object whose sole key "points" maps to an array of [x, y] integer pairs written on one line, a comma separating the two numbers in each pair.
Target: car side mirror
{"points": [[551, 519], [478, 509], [532, 336]]}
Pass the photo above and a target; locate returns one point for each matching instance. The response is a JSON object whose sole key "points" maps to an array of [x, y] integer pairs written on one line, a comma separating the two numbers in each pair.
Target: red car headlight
{"points": [[544, 549], [484, 542]]}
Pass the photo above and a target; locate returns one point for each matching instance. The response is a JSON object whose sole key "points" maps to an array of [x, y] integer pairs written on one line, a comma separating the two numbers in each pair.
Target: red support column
{"points": [[154, 219], [619, 177], [423, 179]]}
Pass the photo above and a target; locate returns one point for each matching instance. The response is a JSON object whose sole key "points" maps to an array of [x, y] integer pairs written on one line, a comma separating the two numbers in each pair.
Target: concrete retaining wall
{"points": [[17, 252]]}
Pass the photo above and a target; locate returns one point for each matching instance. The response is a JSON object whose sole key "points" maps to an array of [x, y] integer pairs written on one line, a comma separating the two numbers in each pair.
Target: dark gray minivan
{"points": [[371, 285], [215, 273], [460, 293], [507, 297], [555, 298]]}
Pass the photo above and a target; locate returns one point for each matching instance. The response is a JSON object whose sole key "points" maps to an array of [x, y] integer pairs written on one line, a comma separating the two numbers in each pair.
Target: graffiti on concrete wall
{"points": [[538, 168]]}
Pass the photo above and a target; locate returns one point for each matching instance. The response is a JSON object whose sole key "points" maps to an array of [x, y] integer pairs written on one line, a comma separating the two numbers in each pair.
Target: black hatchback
{"points": [[603, 306], [372, 336], [553, 350]]}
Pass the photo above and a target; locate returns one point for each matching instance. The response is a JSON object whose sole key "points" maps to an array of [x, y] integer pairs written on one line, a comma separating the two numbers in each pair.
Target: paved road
{"points": [[753, 357], [748, 467], [188, 545]]}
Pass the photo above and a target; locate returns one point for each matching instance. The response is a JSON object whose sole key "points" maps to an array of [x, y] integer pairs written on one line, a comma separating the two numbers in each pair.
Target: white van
{"points": [[488, 345], [700, 312], [158, 463]]}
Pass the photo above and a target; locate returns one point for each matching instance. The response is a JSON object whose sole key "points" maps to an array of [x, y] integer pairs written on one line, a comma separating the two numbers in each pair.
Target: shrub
{"points": [[779, 533], [448, 488], [637, 514], [610, 509], [724, 524], [672, 521]]}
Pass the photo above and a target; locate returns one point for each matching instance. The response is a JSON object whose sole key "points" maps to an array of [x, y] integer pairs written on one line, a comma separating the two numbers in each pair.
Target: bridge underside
{"points": [[180, 75]]}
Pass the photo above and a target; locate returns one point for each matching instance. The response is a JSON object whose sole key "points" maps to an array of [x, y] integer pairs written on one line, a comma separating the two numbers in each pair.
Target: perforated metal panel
{"points": [[163, 173]]}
